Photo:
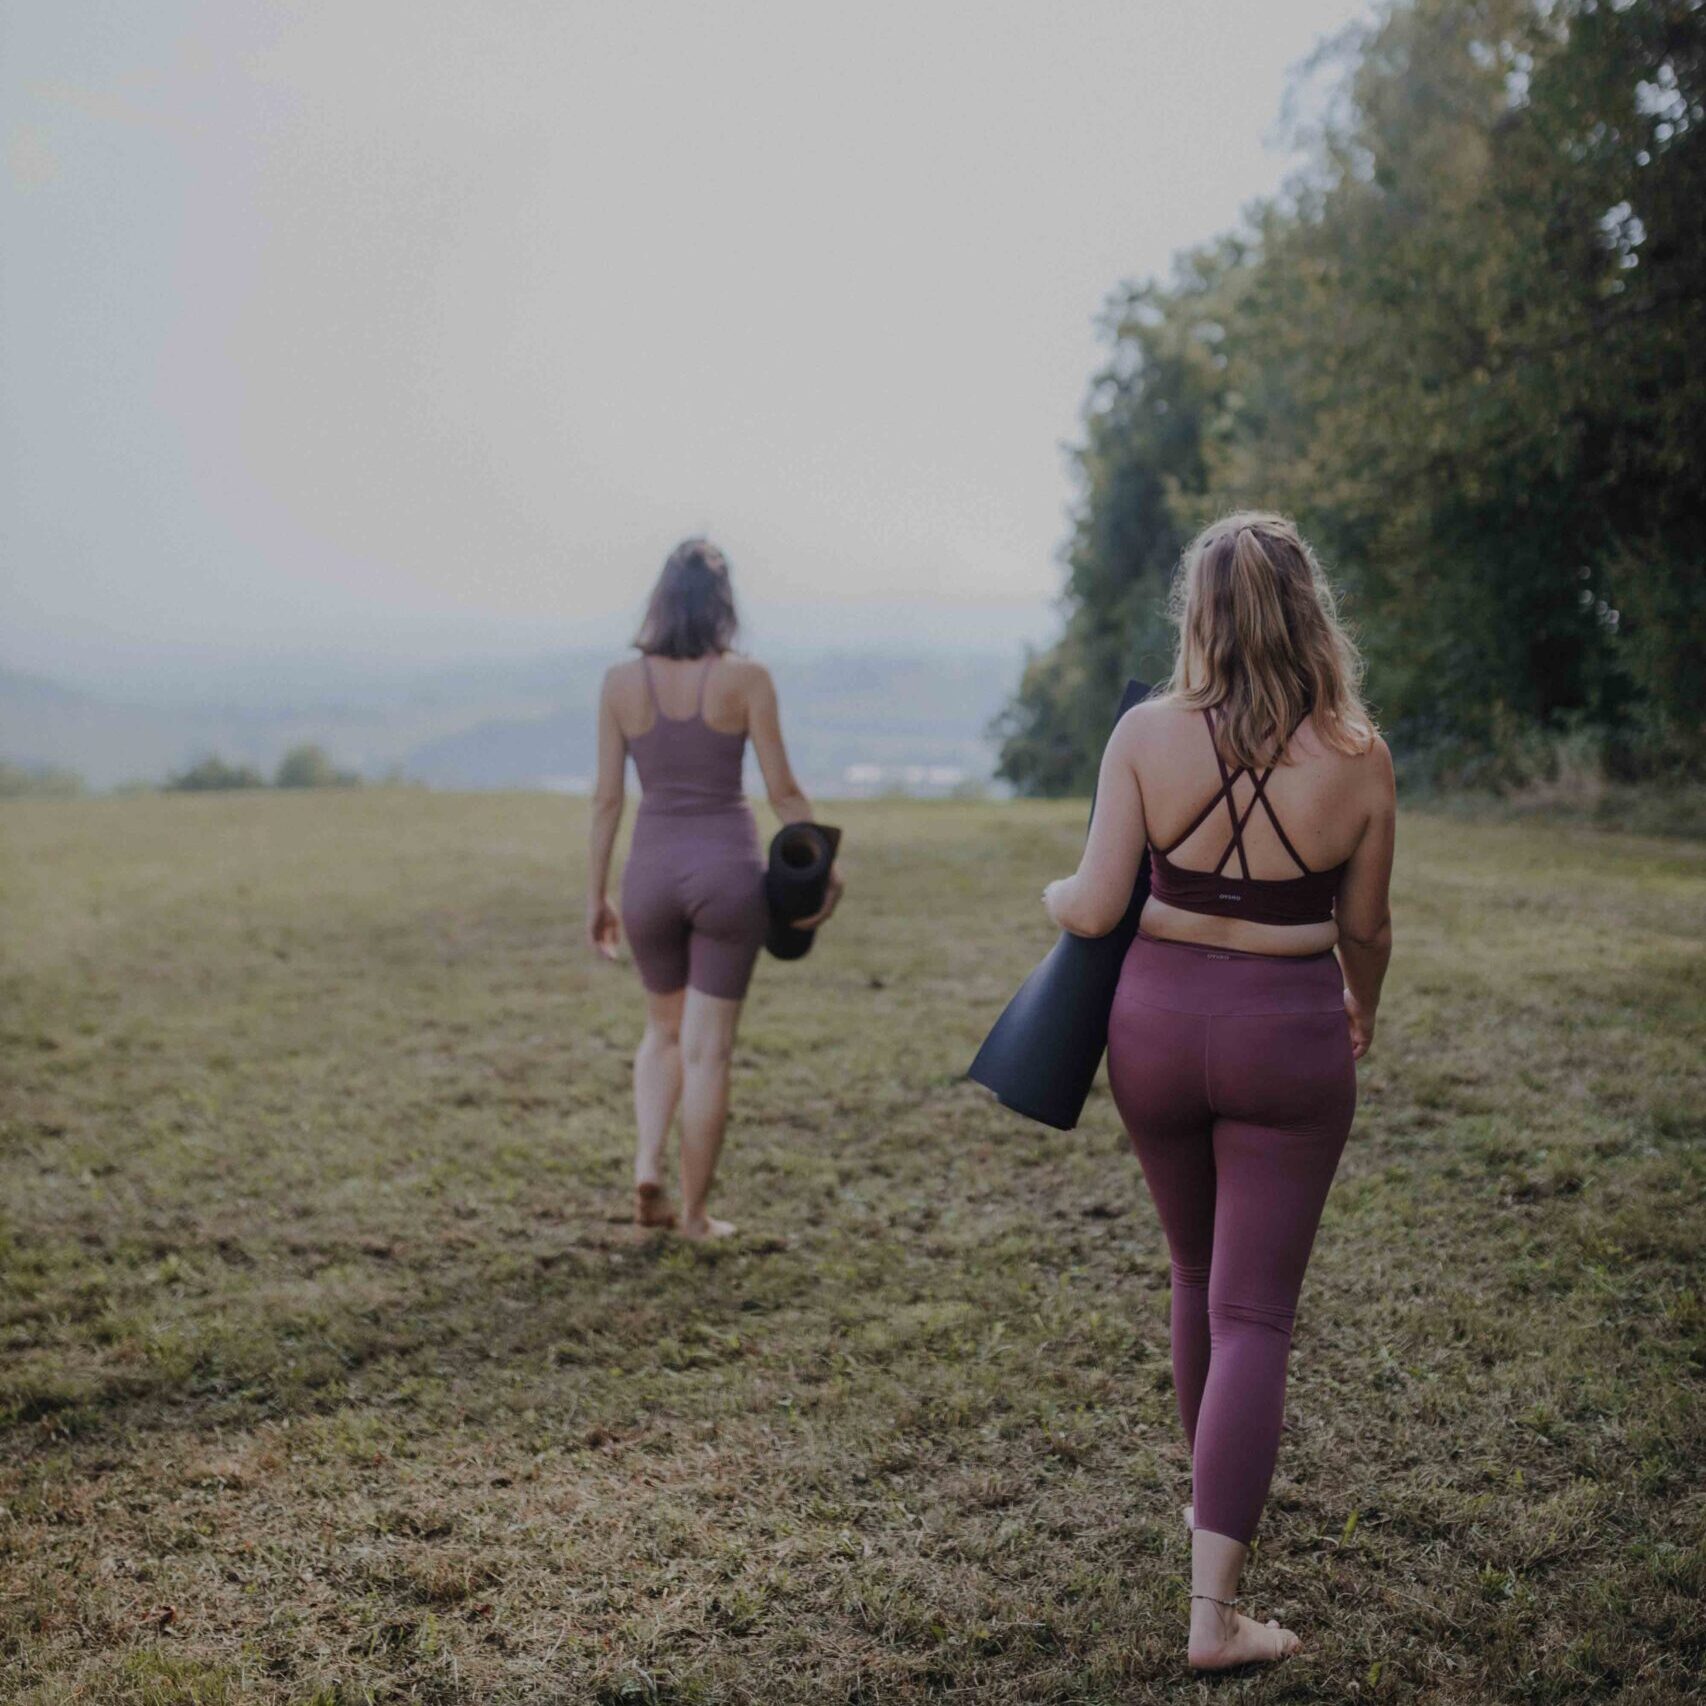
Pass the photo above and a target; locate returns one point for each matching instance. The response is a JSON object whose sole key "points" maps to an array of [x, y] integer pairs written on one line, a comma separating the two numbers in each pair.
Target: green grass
{"points": [[329, 1372]]}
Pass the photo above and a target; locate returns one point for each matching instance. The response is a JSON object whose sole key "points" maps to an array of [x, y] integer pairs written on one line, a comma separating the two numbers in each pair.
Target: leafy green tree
{"points": [[1462, 351], [1143, 456]]}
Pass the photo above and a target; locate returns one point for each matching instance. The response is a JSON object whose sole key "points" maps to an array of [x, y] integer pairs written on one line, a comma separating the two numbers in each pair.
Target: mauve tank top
{"points": [[686, 767], [1304, 899]]}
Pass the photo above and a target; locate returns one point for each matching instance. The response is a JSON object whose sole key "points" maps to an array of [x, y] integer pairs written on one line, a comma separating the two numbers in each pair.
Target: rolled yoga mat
{"points": [[795, 882], [1042, 1055]]}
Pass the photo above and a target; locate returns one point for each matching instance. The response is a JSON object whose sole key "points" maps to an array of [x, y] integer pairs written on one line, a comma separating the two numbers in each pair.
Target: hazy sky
{"points": [[414, 325]]}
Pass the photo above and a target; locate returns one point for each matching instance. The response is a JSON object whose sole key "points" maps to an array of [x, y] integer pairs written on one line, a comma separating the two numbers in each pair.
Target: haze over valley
{"points": [[911, 719]]}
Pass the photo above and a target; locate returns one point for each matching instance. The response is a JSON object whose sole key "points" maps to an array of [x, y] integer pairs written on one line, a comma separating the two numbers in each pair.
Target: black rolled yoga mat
{"points": [[1041, 1058], [795, 882]]}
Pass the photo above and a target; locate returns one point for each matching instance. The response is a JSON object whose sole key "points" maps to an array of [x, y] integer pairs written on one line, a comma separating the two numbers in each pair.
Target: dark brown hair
{"points": [[692, 607]]}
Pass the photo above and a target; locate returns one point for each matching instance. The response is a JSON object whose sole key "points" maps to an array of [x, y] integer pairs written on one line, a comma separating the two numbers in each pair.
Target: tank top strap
{"points": [[704, 678], [651, 685]]}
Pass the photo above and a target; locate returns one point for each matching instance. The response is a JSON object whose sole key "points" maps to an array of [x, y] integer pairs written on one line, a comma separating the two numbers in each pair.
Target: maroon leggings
{"points": [[1233, 1074]]}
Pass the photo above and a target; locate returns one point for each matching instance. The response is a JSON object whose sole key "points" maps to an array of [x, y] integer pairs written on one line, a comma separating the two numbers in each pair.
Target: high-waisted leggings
{"points": [[1234, 1077]]}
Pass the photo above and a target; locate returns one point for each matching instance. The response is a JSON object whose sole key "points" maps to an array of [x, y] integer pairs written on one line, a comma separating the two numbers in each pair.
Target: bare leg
{"points": [[657, 1090], [1220, 1636], [707, 1040]]}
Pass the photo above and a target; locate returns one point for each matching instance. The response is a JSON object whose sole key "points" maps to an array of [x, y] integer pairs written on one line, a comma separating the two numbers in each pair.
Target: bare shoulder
{"points": [[747, 674], [1370, 775], [1370, 758], [1146, 725], [1377, 765], [620, 676], [1374, 762], [622, 696]]}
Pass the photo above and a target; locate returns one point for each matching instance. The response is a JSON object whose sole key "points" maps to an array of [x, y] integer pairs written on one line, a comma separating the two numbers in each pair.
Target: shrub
{"points": [[212, 774], [311, 767]]}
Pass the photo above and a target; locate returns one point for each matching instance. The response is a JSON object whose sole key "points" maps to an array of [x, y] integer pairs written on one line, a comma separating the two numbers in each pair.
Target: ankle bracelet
{"points": [[1214, 1599]]}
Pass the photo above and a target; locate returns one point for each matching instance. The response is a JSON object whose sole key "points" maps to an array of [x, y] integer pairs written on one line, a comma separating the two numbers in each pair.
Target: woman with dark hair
{"points": [[693, 888], [1265, 795]]}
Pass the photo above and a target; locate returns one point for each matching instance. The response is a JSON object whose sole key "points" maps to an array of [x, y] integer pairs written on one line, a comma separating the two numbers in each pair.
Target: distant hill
{"points": [[110, 741], [856, 723], [107, 742]]}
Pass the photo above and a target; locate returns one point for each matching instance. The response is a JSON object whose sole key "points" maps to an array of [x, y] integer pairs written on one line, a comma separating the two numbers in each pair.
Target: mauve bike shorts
{"points": [[693, 902]]}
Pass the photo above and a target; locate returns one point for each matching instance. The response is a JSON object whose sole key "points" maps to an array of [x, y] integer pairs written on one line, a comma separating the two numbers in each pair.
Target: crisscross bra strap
{"points": [[1228, 779], [1273, 818]]}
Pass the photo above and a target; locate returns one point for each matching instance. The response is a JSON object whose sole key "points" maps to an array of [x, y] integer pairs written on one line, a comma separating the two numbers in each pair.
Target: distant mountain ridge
{"points": [[856, 723]]}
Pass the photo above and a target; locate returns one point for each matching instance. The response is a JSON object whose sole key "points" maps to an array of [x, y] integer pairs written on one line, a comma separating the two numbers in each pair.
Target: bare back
{"points": [[1324, 803], [727, 684], [734, 695]]}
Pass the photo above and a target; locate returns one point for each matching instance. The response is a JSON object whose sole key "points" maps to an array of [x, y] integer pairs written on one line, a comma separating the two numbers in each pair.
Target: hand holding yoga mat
{"points": [[1042, 1055], [795, 883]]}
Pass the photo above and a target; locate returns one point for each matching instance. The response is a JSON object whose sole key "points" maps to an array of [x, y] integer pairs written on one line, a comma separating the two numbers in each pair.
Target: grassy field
{"points": [[329, 1371]]}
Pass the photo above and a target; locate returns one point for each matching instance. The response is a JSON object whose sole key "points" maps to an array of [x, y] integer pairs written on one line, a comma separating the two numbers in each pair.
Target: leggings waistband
{"points": [[1191, 977], [1206, 951]]}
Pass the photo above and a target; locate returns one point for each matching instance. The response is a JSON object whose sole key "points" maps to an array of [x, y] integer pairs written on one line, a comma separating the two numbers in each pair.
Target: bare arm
{"points": [[1363, 908], [787, 798], [603, 926], [1094, 899], [764, 720]]}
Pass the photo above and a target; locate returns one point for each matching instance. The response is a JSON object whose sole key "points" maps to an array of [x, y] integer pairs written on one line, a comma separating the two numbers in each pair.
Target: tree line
{"points": [[304, 766], [301, 767], [1463, 349]]}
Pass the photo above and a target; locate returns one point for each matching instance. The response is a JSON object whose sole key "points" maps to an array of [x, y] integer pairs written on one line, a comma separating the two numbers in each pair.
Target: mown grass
{"points": [[329, 1372]]}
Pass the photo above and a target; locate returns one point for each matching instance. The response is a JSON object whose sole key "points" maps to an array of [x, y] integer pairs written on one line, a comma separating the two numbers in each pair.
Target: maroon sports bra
{"points": [[1304, 899]]}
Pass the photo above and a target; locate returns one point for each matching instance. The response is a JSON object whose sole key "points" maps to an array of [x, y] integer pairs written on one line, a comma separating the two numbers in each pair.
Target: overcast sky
{"points": [[415, 326]]}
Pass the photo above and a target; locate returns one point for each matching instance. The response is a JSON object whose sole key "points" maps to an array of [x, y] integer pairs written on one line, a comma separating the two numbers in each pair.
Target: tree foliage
{"points": [[213, 775], [1463, 351], [301, 767], [311, 767]]}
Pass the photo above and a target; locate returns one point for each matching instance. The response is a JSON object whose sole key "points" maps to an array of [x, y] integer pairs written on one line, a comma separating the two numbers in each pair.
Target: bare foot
{"points": [[707, 1227], [651, 1206], [1221, 1639]]}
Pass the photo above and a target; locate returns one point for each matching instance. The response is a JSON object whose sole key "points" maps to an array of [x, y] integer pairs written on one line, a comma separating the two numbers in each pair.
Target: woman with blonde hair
{"points": [[693, 887], [1265, 796]]}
